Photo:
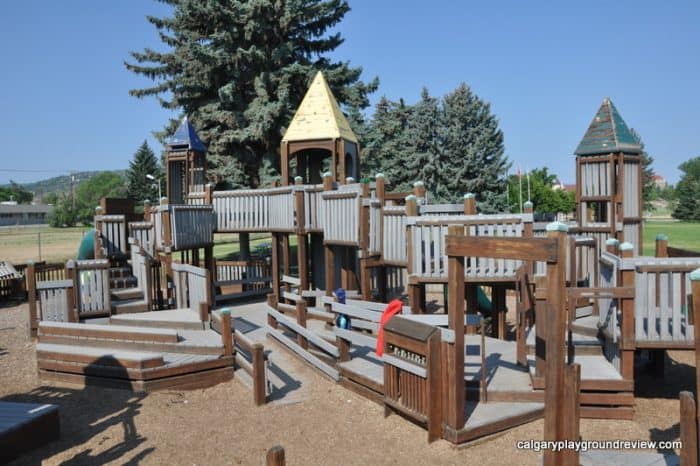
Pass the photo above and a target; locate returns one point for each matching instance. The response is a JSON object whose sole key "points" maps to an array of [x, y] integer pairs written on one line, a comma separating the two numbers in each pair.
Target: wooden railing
{"points": [[251, 210], [192, 289], [113, 234], [248, 355], [180, 227], [56, 300], [426, 236], [313, 209], [91, 284], [141, 269], [251, 277], [39, 272], [394, 235], [375, 240], [144, 233], [341, 217]]}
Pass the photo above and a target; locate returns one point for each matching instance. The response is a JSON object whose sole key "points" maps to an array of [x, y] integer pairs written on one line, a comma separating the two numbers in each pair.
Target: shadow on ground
{"points": [[88, 413]]}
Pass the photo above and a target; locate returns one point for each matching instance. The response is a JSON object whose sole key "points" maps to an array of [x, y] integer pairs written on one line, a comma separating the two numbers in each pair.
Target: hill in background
{"points": [[61, 184]]}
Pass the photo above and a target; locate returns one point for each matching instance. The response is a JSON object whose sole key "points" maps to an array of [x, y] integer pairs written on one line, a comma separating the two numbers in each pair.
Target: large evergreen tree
{"points": [[138, 186], [648, 185], [688, 191], [239, 70], [453, 145]]}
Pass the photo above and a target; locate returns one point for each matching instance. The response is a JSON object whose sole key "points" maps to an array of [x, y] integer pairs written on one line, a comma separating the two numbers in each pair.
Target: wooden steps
{"points": [[131, 357], [127, 293], [180, 319], [26, 426], [130, 306]]}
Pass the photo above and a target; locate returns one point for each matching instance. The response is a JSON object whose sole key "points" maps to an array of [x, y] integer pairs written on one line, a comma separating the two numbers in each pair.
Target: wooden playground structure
{"points": [[145, 313]]}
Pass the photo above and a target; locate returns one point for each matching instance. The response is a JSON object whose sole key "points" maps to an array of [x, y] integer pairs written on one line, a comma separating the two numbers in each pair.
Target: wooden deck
{"points": [[181, 319], [25, 426]]}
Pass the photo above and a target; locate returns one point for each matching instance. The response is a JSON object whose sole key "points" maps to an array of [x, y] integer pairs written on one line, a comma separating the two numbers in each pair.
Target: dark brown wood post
{"points": [[661, 246], [275, 456], [146, 210], [469, 204], [555, 322], [365, 277], [275, 266], [272, 302], [695, 290], [572, 408], [414, 289], [226, 332], [284, 163], [329, 254], [689, 429], [612, 246], [454, 415], [30, 277], [258, 360], [627, 344], [471, 289], [419, 191], [344, 348], [302, 257], [208, 194], [529, 232], [72, 274], [380, 193], [301, 320]]}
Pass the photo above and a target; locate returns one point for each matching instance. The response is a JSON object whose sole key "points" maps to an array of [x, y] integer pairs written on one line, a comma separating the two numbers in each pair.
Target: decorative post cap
{"points": [[612, 242], [695, 275], [225, 311], [147, 202], [327, 174], [557, 226], [418, 184], [298, 179], [98, 209], [163, 199], [410, 197], [661, 237], [528, 205], [379, 175], [468, 196], [364, 180], [349, 180], [626, 246]]}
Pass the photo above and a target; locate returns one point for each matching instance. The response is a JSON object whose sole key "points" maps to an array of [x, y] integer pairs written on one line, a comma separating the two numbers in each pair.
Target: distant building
{"points": [[24, 214], [559, 186], [659, 181]]}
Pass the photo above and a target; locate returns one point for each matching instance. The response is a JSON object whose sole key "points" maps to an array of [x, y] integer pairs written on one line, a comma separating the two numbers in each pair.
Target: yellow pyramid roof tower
{"points": [[319, 116]]}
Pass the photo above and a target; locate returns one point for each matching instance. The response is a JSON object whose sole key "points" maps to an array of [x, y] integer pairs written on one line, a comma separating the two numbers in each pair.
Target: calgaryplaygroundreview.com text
{"points": [[585, 445]]}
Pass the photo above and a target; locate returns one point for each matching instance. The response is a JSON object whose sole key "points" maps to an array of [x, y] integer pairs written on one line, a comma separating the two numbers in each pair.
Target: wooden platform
{"points": [[484, 419], [132, 357], [172, 318], [26, 426]]}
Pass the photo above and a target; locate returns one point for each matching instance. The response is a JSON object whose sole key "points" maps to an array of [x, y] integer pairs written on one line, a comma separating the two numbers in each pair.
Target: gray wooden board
{"points": [[366, 366], [311, 359], [311, 336], [592, 367], [479, 414], [503, 372], [628, 458]]}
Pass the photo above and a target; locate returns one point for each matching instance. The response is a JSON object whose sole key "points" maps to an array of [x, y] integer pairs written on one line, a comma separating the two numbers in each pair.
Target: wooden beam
{"points": [[454, 415], [533, 249]]}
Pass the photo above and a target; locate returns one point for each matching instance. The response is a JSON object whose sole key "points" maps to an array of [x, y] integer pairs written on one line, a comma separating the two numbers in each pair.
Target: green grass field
{"points": [[18, 245], [684, 235]]}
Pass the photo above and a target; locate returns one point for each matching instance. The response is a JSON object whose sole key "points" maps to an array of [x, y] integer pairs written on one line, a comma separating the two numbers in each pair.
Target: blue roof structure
{"points": [[186, 138], [608, 133]]}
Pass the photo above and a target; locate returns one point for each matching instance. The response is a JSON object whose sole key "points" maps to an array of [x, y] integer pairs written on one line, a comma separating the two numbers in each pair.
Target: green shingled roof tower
{"points": [[608, 179]]}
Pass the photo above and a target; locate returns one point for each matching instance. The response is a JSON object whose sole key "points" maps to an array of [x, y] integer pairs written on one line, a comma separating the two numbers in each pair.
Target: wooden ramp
{"points": [[26, 426], [172, 318], [483, 419]]}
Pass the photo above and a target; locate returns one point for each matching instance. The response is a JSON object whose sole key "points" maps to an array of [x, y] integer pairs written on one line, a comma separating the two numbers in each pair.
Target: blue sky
{"points": [[545, 67]]}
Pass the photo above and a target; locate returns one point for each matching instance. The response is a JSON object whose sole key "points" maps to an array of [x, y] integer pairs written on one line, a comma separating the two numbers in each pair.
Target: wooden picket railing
{"points": [[192, 289], [181, 227], [253, 210], [56, 301], [144, 233], [426, 237], [113, 235], [91, 284], [393, 229], [39, 272], [239, 279], [341, 217]]}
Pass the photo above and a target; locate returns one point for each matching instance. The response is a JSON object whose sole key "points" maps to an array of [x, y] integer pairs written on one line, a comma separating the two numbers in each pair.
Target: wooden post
{"points": [[695, 290], [146, 210], [272, 302], [454, 415], [258, 359], [627, 344], [419, 191], [344, 348], [73, 308], [302, 258], [208, 194], [612, 246], [286, 261], [30, 277], [414, 289], [529, 232], [498, 300], [469, 204], [380, 193], [661, 246], [689, 429], [329, 254], [226, 332], [572, 408], [301, 320], [275, 456], [284, 163], [555, 322], [275, 266], [365, 278]]}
